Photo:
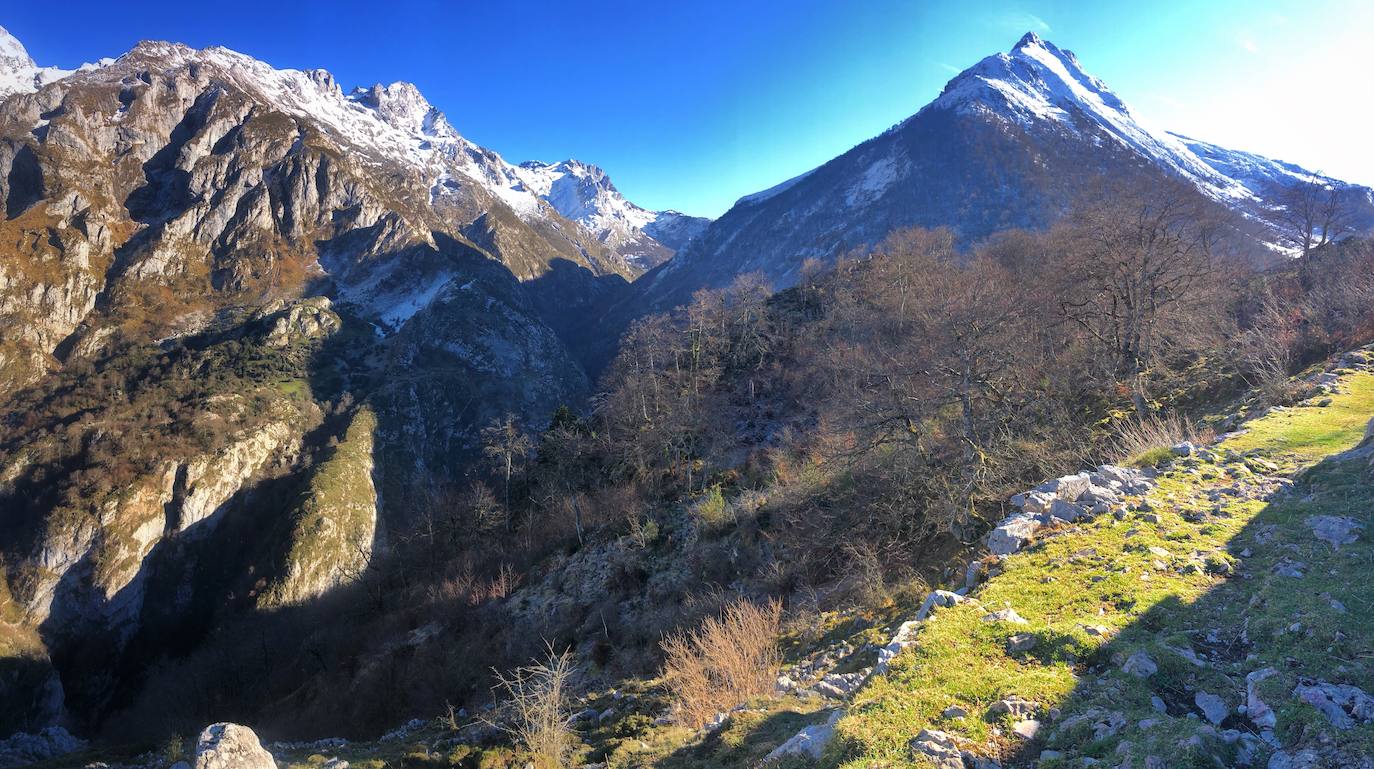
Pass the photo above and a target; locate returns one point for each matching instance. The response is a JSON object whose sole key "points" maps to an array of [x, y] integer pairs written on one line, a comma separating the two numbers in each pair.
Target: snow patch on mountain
{"points": [[20, 74], [1255, 172], [585, 194], [876, 179], [774, 191]]}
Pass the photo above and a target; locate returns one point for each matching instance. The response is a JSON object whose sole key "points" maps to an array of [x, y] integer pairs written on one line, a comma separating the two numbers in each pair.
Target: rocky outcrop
{"points": [[230, 746], [334, 525], [1065, 500], [209, 482], [23, 748]]}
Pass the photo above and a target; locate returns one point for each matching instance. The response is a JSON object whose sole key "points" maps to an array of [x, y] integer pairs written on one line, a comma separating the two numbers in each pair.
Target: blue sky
{"points": [[692, 105]]}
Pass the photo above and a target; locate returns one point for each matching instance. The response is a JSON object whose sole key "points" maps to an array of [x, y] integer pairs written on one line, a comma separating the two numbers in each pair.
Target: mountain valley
{"points": [[323, 419]]}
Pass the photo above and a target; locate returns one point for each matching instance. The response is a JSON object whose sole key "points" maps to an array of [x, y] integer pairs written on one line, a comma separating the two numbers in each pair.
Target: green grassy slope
{"points": [[1205, 584]]}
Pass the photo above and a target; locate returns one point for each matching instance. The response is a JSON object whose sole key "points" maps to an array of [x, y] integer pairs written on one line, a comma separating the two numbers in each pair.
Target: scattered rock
{"points": [[1068, 488], [1212, 707], [1021, 642], [809, 741], [940, 599], [1012, 534], [1066, 511], [1035, 501], [939, 748], [231, 746], [904, 637], [1006, 615], [972, 761], [1027, 729], [23, 748], [1104, 723], [1016, 707], [1334, 530], [839, 685], [1184, 449], [1256, 709], [1290, 568], [1342, 704], [1301, 759], [973, 574], [1140, 665], [955, 711]]}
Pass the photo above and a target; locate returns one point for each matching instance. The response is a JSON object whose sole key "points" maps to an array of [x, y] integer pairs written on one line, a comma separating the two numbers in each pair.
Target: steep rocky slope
{"points": [[1013, 141], [212, 270]]}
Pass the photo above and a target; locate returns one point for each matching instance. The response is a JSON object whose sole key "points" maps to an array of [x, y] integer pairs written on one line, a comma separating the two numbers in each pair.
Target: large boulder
{"points": [[937, 748], [231, 746], [810, 741], [1012, 534], [1067, 488]]}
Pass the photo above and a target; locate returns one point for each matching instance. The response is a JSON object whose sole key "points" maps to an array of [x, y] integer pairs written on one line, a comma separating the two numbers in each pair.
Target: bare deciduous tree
{"points": [[534, 709], [505, 442], [1133, 269], [1315, 212]]}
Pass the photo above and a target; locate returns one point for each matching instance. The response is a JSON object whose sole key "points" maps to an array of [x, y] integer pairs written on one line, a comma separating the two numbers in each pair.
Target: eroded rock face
{"points": [[181, 206]]}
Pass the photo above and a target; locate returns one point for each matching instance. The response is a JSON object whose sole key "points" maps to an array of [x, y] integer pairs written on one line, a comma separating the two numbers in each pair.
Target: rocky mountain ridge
{"points": [[1011, 142], [284, 288]]}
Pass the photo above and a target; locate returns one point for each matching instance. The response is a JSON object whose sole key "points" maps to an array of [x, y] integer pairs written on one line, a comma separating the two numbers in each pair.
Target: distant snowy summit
{"points": [[19, 73], [1010, 142], [585, 194]]}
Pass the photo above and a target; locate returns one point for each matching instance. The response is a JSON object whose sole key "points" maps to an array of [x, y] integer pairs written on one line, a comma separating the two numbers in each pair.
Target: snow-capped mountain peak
{"points": [[1038, 85], [585, 194], [18, 71], [401, 105]]}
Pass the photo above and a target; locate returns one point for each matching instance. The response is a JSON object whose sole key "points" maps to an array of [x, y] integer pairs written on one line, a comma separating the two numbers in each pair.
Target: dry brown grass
{"points": [[1145, 441], [724, 662]]}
